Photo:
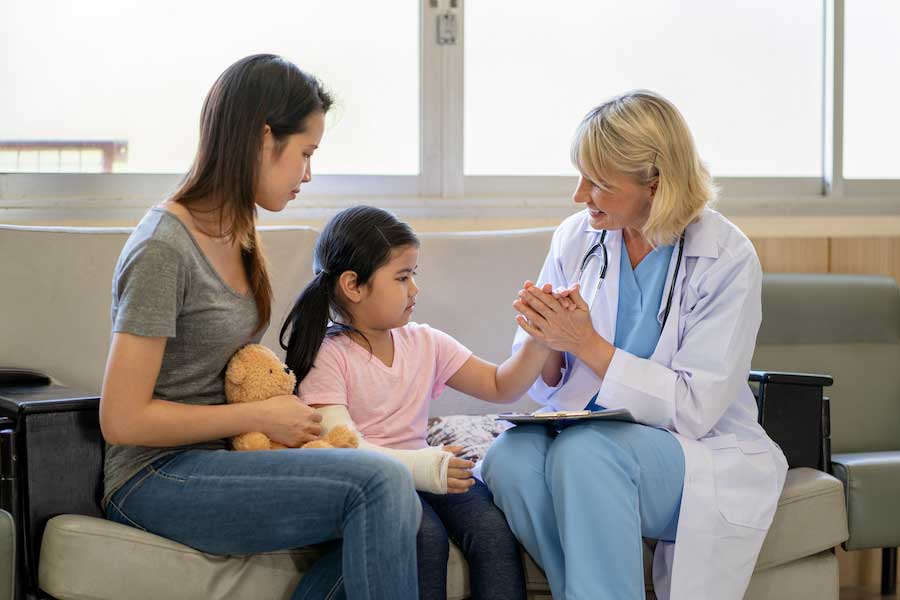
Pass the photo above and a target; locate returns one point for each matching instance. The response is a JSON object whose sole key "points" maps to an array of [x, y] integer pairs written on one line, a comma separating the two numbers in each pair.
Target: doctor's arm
{"points": [[709, 367]]}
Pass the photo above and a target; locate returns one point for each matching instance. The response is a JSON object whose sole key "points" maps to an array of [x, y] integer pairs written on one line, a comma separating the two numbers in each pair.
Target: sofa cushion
{"points": [[85, 558], [815, 576], [872, 484], [474, 433], [811, 517]]}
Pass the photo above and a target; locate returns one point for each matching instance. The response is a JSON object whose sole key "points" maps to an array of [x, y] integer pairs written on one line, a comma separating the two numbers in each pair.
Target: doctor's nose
{"points": [[582, 192]]}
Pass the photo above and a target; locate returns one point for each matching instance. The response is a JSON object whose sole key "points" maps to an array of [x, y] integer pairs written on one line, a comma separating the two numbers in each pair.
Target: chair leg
{"points": [[888, 571]]}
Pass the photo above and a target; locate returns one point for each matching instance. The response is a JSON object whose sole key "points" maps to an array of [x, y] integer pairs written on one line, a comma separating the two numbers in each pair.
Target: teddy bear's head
{"points": [[256, 373]]}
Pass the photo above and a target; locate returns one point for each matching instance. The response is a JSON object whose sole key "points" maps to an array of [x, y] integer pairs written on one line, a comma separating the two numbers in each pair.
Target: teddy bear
{"points": [[256, 373]]}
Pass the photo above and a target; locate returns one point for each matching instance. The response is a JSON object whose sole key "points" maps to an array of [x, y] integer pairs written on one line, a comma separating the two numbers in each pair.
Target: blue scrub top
{"points": [[640, 297]]}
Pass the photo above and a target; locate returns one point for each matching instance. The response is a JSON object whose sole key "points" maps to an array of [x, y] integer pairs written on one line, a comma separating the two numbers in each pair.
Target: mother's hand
{"points": [[561, 321]]}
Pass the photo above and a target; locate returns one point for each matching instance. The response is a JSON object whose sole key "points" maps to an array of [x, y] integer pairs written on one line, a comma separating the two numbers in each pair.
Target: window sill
{"points": [[780, 217]]}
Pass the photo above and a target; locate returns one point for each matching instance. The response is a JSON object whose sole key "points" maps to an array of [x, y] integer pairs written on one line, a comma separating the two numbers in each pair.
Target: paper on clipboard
{"points": [[564, 418]]}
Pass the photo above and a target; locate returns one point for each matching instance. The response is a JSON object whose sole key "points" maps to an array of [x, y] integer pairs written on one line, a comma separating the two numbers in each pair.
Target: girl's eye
{"points": [[404, 278], [307, 156]]}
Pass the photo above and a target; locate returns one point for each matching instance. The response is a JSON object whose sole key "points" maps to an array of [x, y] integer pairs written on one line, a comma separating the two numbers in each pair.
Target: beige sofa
{"points": [[54, 316]]}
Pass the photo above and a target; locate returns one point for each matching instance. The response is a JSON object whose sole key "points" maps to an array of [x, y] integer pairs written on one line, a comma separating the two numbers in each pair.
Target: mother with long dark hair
{"points": [[190, 288]]}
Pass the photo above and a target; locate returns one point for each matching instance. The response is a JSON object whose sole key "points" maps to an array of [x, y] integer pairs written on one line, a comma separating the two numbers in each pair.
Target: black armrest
{"points": [[791, 378], [797, 416], [52, 462]]}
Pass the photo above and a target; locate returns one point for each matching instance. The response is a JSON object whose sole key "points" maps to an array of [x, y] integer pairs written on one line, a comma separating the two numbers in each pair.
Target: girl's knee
{"points": [[433, 535]]}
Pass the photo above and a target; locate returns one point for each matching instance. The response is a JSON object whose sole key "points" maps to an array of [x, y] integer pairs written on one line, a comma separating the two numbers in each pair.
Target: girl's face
{"points": [[615, 201], [284, 167], [389, 297]]}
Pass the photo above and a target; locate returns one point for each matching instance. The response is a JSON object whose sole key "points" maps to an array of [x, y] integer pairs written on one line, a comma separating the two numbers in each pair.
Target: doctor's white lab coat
{"points": [[695, 386]]}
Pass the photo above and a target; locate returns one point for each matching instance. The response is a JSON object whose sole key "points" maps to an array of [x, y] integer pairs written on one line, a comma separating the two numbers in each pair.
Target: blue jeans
{"points": [[227, 503], [580, 501], [477, 526]]}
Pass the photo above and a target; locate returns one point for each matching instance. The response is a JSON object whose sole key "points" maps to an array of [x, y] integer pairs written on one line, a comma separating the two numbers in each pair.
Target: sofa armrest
{"points": [[785, 378], [795, 413], [53, 462], [7, 556]]}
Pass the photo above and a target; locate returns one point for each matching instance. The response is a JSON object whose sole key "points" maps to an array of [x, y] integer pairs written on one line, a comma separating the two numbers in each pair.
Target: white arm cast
{"points": [[427, 465]]}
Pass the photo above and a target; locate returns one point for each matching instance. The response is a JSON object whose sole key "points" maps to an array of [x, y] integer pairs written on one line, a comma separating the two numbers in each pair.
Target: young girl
{"points": [[191, 288], [362, 363]]}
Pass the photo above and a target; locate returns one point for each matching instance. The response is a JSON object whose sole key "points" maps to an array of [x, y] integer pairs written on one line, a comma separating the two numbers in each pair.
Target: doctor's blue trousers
{"points": [[580, 501]]}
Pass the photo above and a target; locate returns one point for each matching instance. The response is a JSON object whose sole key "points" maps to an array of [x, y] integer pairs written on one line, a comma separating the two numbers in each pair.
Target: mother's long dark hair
{"points": [[358, 239], [256, 91]]}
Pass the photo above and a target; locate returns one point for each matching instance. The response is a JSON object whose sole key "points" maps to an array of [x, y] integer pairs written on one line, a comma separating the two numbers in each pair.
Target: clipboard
{"points": [[564, 418]]}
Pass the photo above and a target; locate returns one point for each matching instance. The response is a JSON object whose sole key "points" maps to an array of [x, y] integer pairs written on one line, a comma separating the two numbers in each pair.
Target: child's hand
{"points": [[459, 474]]}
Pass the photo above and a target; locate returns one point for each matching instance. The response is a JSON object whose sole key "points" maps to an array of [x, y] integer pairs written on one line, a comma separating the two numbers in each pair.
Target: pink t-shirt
{"points": [[389, 405]]}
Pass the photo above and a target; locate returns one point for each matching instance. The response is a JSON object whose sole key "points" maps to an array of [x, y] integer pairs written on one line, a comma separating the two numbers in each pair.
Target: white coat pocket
{"points": [[745, 479]]}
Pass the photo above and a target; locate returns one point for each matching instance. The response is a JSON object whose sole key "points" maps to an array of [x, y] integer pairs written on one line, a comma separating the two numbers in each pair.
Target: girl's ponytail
{"points": [[308, 323]]}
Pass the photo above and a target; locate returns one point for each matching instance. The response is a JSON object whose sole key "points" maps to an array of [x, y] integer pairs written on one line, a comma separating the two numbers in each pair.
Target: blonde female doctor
{"points": [[651, 302]]}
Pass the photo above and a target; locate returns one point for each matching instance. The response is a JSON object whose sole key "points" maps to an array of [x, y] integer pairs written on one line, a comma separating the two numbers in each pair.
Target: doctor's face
{"points": [[615, 201]]}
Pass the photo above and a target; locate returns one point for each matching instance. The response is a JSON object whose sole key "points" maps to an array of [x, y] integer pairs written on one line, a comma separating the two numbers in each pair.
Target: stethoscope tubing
{"points": [[601, 245]]}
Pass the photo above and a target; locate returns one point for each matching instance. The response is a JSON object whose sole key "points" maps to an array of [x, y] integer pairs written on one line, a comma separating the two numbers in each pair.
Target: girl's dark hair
{"points": [[258, 90], [358, 239]]}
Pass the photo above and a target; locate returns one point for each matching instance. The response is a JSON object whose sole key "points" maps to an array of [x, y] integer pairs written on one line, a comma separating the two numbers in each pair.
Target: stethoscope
{"points": [[601, 246]]}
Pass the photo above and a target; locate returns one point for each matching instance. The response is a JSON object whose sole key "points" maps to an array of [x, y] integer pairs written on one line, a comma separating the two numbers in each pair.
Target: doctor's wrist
{"points": [[595, 352]]}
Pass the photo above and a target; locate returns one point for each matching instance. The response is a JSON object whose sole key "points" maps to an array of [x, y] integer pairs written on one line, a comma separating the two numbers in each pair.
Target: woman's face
{"points": [[615, 201], [284, 168]]}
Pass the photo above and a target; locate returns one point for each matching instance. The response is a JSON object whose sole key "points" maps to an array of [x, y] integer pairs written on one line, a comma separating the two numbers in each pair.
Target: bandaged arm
{"points": [[427, 465]]}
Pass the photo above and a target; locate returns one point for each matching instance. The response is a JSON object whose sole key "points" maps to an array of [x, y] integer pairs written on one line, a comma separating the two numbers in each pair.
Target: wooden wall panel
{"points": [[870, 256], [793, 255]]}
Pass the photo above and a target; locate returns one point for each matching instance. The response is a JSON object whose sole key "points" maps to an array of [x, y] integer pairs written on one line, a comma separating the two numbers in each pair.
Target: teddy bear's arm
{"points": [[427, 465]]}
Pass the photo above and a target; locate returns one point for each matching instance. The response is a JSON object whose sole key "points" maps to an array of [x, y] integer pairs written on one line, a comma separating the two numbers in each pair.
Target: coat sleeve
{"points": [[712, 361], [552, 273]]}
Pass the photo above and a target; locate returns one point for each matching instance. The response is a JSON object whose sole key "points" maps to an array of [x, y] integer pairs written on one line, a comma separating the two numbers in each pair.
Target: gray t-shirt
{"points": [[164, 286]]}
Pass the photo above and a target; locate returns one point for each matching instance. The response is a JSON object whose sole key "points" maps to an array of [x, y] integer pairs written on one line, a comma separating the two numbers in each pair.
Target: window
{"points": [[872, 61], [470, 104], [137, 72], [747, 77]]}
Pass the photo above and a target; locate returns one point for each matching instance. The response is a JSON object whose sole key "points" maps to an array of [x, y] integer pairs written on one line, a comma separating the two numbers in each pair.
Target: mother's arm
{"points": [[129, 414]]}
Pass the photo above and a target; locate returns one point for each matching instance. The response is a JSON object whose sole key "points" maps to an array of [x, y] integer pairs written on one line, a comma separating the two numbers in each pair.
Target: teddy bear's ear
{"points": [[236, 372]]}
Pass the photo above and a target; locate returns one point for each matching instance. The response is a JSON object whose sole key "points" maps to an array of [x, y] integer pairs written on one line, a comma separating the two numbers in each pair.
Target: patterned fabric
{"points": [[475, 433]]}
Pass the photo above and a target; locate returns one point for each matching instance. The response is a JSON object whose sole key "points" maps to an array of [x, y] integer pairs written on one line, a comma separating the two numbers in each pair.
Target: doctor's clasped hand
{"points": [[561, 319]]}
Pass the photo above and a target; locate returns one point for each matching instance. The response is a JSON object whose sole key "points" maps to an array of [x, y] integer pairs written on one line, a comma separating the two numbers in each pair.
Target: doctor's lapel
{"points": [[668, 338]]}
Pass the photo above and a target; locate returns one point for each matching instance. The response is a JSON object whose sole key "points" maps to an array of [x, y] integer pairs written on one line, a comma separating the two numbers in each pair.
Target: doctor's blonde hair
{"points": [[642, 135]]}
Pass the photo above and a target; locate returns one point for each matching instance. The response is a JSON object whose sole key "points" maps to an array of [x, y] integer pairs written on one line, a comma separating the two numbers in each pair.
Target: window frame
{"points": [[442, 189]]}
